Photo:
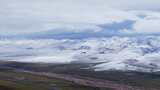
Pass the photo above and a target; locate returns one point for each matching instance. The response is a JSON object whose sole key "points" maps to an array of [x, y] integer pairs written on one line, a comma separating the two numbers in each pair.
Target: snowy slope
{"points": [[114, 53]]}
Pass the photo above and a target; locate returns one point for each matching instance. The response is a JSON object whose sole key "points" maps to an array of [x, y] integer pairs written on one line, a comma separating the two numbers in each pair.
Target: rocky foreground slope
{"points": [[79, 75]]}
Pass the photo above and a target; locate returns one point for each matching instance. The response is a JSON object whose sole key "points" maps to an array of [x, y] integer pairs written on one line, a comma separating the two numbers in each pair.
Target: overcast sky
{"points": [[30, 16]]}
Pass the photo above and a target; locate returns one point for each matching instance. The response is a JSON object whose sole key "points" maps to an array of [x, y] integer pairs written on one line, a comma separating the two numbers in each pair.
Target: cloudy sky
{"points": [[19, 17]]}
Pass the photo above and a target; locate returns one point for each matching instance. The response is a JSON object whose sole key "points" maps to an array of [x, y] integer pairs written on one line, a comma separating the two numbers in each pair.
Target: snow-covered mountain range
{"points": [[112, 53]]}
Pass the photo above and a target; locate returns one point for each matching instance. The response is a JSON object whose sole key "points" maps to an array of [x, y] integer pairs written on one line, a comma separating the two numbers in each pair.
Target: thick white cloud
{"points": [[149, 24], [27, 16]]}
